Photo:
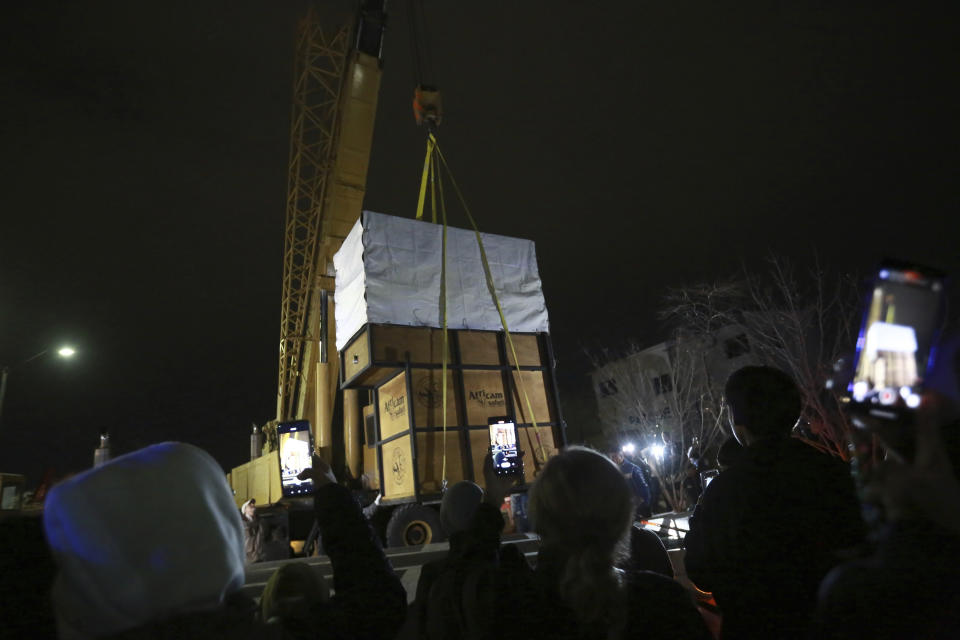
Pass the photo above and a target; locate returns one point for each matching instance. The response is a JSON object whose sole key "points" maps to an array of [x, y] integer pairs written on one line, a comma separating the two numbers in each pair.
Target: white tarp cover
{"points": [[388, 271]]}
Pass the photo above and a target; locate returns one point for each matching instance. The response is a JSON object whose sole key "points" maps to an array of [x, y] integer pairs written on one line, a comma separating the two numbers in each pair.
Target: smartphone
{"points": [[503, 447], [296, 455], [902, 318]]}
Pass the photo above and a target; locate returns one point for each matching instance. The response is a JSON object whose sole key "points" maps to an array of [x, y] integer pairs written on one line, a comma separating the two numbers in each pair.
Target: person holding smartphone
{"points": [[369, 600], [906, 588]]}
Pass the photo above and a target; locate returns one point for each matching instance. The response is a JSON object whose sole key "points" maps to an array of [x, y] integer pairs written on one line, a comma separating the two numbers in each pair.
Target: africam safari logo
{"points": [[428, 393], [399, 466], [395, 406], [487, 398]]}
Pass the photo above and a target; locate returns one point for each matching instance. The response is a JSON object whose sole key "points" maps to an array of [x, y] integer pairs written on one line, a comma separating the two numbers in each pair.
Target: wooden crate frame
{"points": [[462, 428]]}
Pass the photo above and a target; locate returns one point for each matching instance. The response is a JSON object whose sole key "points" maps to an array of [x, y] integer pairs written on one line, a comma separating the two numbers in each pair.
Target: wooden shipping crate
{"points": [[404, 438]]}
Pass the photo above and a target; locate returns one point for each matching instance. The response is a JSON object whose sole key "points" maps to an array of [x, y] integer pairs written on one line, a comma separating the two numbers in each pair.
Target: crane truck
{"points": [[404, 430]]}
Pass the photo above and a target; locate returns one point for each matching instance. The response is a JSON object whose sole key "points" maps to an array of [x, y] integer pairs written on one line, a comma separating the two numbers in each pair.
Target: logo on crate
{"points": [[399, 466], [428, 393], [395, 406], [487, 398]]}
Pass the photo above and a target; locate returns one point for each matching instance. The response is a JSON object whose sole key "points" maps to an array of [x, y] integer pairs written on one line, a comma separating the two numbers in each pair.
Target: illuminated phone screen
{"points": [[503, 446], [295, 452], [900, 325]]}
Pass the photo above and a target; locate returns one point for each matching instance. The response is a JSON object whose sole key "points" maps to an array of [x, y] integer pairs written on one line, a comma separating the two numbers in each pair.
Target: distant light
{"points": [[860, 390], [66, 352], [657, 450], [884, 274], [628, 448], [913, 400]]}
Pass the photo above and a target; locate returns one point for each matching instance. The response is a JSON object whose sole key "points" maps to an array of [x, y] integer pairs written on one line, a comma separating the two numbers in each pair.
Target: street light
{"points": [[65, 352]]}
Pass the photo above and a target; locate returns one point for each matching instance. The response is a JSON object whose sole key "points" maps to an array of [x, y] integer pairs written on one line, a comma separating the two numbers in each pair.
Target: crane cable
{"points": [[431, 173], [419, 43]]}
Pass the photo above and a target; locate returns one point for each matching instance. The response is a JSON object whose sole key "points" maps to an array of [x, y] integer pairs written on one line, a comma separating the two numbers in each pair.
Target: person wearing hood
{"points": [[151, 545], [149, 541]]}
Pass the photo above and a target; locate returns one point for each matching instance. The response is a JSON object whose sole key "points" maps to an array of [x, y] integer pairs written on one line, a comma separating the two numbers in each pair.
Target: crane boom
{"points": [[336, 85]]}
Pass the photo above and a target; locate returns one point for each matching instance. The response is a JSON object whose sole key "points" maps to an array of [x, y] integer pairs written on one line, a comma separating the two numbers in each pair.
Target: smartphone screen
{"points": [[296, 451], [901, 323], [503, 446]]}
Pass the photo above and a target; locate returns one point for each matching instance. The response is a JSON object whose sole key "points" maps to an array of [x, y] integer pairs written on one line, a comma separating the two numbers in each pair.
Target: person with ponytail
{"points": [[582, 508]]}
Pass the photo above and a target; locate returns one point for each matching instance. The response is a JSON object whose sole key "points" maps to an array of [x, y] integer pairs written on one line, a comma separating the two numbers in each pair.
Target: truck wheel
{"points": [[414, 524]]}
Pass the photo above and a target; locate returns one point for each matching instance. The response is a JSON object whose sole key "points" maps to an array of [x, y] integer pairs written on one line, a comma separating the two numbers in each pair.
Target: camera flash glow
{"points": [[860, 390], [628, 448], [657, 450], [912, 400]]}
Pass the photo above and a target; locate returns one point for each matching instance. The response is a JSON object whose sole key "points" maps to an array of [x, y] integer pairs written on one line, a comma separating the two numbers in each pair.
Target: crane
{"points": [[403, 454], [336, 85]]}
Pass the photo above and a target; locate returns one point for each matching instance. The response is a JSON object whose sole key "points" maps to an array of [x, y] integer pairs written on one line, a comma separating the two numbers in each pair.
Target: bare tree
{"points": [[664, 394], [801, 325]]}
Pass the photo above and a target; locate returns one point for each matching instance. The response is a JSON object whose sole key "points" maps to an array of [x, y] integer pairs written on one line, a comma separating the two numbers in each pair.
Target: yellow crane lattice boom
{"points": [[336, 85]]}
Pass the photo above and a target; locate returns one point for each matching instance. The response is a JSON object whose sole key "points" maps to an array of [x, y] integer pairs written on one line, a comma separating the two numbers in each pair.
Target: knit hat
{"points": [[147, 536], [459, 506]]}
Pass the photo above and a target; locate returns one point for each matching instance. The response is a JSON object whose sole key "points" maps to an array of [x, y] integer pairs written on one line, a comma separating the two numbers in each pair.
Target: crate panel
{"points": [[356, 356], [427, 389], [479, 446], [430, 459], [532, 454], [535, 386], [484, 396], [393, 406], [528, 350], [398, 481], [418, 345], [478, 347]]}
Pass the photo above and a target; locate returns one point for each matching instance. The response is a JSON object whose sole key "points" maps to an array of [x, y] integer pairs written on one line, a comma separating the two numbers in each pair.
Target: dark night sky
{"points": [[641, 145]]}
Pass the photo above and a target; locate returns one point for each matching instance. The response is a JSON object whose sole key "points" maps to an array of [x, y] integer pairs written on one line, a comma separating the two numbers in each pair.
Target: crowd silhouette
{"points": [[152, 545]]}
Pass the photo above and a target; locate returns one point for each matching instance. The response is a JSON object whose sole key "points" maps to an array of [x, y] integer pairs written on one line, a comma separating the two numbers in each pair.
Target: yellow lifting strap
{"points": [[432, 146], [428, 173], [443, 310], [431, 174]]}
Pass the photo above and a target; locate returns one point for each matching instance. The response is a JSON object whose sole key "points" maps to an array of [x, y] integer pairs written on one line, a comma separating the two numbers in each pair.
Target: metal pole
{"points": [[101, 454]]}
